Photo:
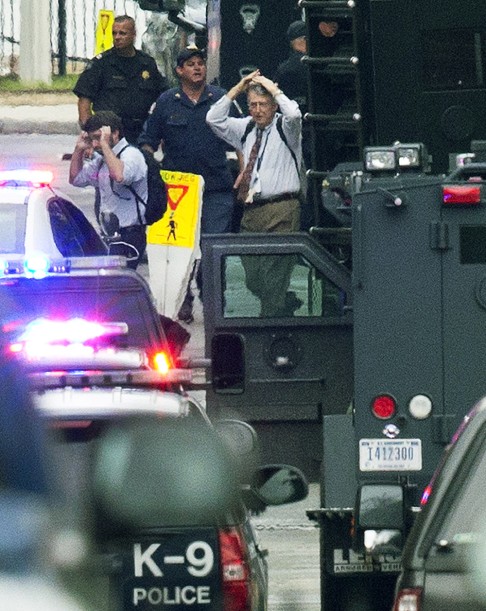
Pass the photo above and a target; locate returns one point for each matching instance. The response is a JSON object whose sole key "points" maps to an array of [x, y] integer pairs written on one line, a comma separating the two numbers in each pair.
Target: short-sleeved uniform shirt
{"points": [[189, 144], [127, 86]]}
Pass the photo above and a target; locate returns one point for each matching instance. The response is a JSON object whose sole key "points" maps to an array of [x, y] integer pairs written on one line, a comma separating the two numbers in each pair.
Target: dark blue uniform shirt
{"points": [[188, 143]]}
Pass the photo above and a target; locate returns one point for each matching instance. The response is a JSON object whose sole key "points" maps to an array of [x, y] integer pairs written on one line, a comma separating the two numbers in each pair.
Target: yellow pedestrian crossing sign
{"points": [[104, 33]]}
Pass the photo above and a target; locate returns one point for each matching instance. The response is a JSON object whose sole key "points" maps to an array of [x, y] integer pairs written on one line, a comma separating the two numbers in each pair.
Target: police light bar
{"points": [[462, 195], [81, 357], [109, 377], [44, 331], [25, 178], [38, 265]]}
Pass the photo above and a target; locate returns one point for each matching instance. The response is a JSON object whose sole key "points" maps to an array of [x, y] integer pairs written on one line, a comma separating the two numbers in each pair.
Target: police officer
{"points": [[178, 124], [122, 79]]}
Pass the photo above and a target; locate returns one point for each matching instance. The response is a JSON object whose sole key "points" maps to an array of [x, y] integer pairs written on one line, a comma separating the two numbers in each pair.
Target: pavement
{"points": [[21, 118]]}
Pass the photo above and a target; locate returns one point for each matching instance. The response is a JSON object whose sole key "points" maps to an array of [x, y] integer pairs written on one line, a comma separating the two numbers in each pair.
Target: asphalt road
{"points": [[292, 540]]}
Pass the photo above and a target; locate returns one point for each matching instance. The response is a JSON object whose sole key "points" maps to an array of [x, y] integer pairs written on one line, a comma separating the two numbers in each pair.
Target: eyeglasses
{"points": [[255, 105]]}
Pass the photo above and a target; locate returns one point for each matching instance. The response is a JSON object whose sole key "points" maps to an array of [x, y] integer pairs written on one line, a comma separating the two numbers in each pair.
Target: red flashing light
{"points": [[161, 363], [408, 599], [384, 407], [234, 568], [469, 195]]}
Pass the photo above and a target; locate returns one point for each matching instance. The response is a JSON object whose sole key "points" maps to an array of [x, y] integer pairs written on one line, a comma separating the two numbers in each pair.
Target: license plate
{"points": [[178, 571], [390, 454]]}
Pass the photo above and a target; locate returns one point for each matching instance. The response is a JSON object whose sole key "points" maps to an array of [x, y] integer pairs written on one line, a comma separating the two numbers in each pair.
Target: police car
{"points": [[35, 217], [97, 288], [161, 495]]}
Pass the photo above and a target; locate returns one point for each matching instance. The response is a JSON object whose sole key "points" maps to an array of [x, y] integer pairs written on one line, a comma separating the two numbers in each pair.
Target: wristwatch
{"points": [[278, 92]]}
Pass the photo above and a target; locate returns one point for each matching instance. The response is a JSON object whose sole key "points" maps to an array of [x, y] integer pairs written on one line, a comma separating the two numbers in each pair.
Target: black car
{"points": [[438, 567]]}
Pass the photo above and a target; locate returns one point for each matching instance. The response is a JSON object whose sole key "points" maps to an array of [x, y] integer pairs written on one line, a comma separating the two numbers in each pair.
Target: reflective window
{"points": [[468, 498], [12, 228], [278, 286], [73, 234]]}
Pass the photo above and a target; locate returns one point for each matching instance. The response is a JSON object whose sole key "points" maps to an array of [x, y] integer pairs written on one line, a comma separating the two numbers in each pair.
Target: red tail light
{"points": [[408, 599], [461, 194], [234, 568], [384, 407]]}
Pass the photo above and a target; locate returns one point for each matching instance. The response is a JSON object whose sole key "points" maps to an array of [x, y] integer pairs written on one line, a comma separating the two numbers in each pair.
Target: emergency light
{"points": [[23, 178], [38, 265]]}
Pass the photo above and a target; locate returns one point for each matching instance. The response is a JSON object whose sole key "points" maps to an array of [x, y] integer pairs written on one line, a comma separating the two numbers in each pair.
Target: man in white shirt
{"points": [[103, 158], [269, 184]]}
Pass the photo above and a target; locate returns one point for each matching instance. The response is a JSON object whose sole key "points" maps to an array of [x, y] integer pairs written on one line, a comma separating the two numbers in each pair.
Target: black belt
{"points": [[271, 200]]}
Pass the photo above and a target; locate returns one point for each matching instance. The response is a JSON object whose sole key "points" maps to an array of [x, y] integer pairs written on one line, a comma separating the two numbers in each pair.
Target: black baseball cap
{"points": [[296, 30], [189, 52]]}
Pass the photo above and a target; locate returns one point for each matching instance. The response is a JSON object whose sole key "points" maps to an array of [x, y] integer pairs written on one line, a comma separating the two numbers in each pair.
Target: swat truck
{"points": [[364, 384]]}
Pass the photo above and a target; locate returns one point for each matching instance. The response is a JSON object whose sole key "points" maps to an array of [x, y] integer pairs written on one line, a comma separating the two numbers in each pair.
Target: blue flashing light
{"points": [[37, 266]]}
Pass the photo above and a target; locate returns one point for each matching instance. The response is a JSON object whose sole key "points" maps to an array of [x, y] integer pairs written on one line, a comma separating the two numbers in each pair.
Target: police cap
{"points": [[189, 52]]}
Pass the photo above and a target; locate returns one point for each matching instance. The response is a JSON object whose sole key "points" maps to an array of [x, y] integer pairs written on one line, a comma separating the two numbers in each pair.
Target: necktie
{"points": [[244, 185]]}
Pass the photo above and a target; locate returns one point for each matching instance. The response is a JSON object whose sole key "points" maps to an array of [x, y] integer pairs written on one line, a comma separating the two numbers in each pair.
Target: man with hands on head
{"points": [[113, 167], [274, 181], [269, 184]]}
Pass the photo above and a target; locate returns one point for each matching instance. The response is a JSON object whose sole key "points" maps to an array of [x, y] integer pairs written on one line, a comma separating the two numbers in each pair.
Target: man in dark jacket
{"points": [[123, 80], [178, 124]]}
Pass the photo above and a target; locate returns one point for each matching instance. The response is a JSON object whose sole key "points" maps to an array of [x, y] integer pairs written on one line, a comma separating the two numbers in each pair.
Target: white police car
{"points": [[162, 495], [36, 218]]}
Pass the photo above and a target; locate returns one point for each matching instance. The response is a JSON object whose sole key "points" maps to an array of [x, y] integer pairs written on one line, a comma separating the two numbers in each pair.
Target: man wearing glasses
{"points": [[269, 184]]}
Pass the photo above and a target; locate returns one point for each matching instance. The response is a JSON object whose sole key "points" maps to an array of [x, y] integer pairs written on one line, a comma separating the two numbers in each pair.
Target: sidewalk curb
{"points": [[12, 126]]}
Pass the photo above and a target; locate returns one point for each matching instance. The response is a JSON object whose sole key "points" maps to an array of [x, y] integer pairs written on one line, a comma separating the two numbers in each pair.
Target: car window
{"points": [[12, 228], [309, 292], [468, 497], [73, 234]]}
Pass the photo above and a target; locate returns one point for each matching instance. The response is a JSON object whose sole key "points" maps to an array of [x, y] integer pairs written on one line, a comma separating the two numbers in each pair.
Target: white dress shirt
{"points": [[275, 171]]}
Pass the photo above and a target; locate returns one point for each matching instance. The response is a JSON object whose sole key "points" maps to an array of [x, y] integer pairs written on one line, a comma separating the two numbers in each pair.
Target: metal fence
{"points": [[72, 31]]}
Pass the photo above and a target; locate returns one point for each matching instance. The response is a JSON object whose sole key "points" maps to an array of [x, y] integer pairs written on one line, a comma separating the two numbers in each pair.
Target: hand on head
{"points": [[83, 143], [105, 134], [267, 83]]}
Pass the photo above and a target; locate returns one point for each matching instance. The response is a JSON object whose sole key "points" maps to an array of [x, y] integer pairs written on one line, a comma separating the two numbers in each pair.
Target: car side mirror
{"points": [[279, 484]]}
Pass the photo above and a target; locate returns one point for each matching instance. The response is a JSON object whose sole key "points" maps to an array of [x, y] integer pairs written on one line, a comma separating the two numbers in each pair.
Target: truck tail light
{"points": [[463, 195], [408, 599], [234, 569], [384, 407]]}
